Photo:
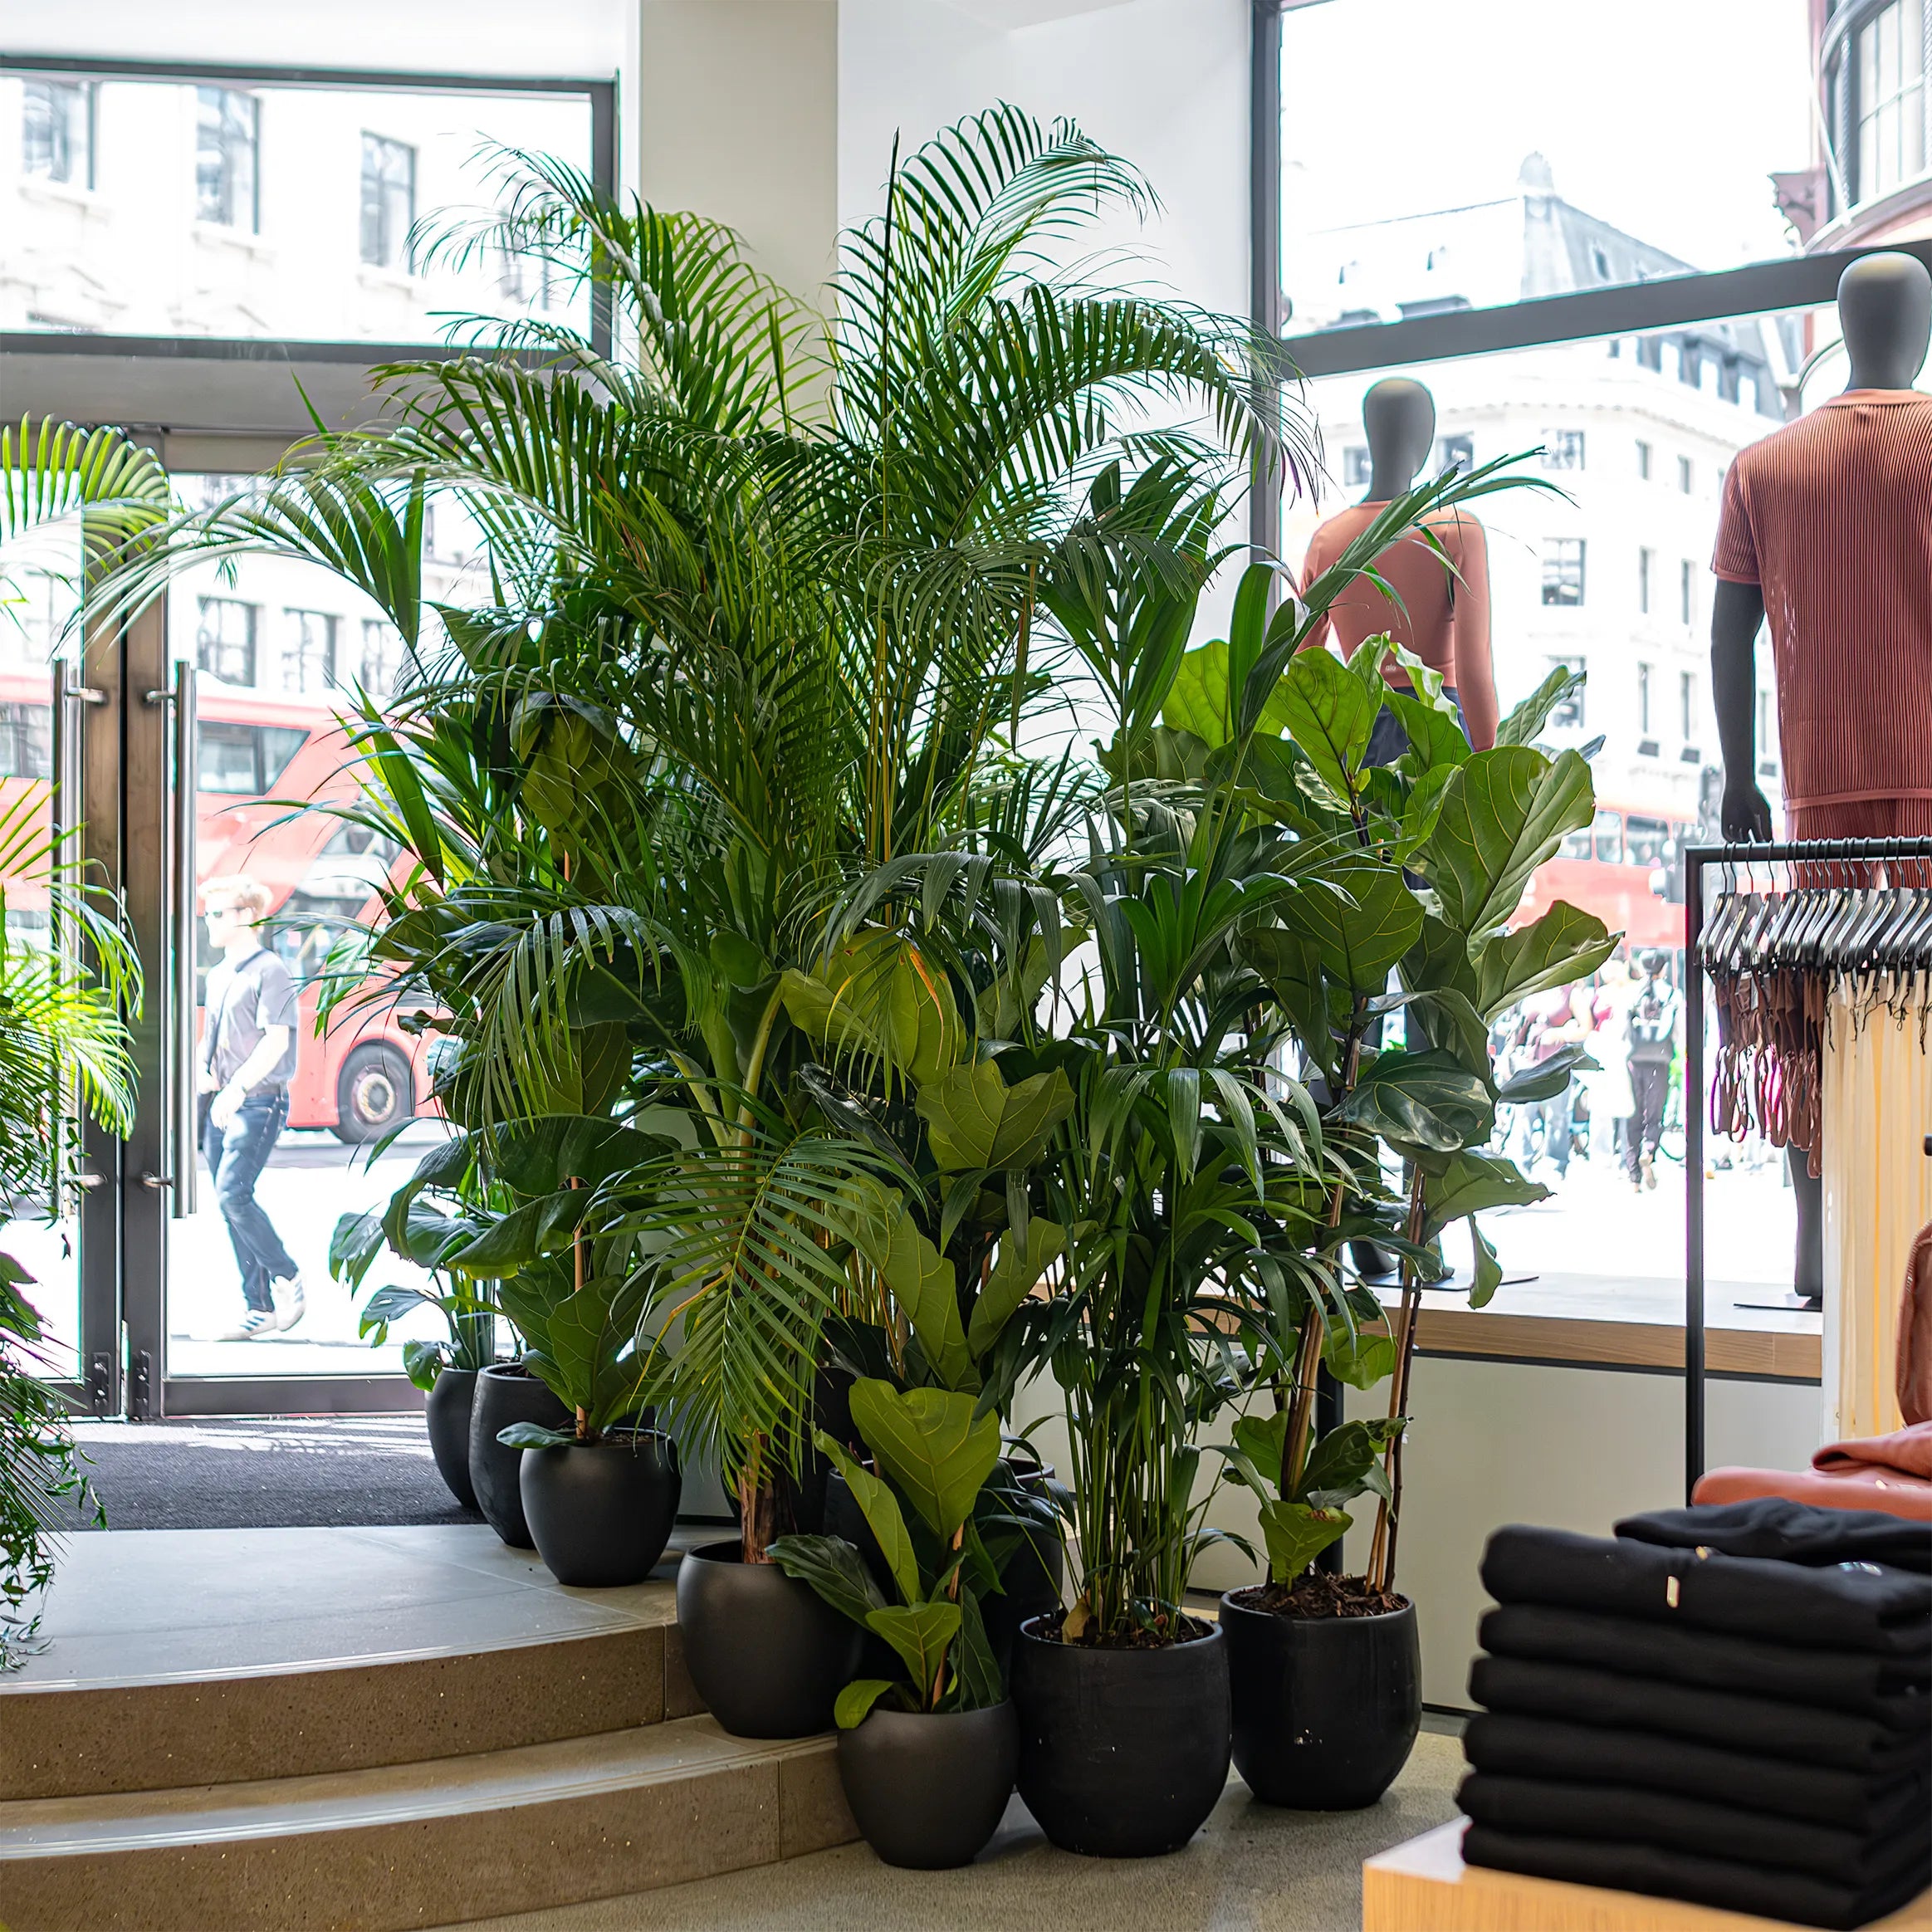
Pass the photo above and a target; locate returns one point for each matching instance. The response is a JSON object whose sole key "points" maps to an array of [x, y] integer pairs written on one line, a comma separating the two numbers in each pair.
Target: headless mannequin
{"points": [[1446, 615], [1885, 310]]}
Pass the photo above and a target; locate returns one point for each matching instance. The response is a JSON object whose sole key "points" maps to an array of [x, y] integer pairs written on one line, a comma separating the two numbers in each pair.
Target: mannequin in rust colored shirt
{"points": [[1444, 615], [1826, 529]]}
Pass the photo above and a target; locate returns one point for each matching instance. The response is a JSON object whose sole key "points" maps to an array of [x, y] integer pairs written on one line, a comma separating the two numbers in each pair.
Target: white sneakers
{"points": [[291, 1304]]}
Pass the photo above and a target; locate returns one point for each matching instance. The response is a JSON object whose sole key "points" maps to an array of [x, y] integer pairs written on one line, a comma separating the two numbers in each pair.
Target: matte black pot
{"points": [[1326, 1709], [929, 1790], [601, 1514], [447, 1408], [766, 1653], [506, 1393], [1123, 1753]]}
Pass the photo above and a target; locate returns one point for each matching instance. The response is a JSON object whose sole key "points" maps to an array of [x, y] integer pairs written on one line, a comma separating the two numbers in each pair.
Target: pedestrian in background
{"points": [[1655, 1013], [1611, 1101]]}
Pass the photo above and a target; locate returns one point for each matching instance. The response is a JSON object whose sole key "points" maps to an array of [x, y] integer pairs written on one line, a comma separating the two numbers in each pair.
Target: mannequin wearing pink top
{"points": [[1443, 613]]}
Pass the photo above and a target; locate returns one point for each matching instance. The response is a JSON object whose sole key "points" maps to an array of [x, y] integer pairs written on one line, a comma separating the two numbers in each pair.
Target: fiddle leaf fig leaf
{"points": [[883, 1517], [1296, 1534], [1014, 1276], [931, 1447], [1426, 1100], [1489, 1276], [921, 1280], [1200, 700], [1327, 711], [1263, 1440], [974, 1119], [1503, 813], [1470, 1184], [1373, 1359], [1345, 1462], [1357, 938], [1564, 946], [1522, 724], [833, 1568], [921, 1633], [854, 1705], [1548, 1078]]}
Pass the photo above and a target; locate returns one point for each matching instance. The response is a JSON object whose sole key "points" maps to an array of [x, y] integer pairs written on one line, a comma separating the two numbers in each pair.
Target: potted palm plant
{"points": [[928, 1754]]}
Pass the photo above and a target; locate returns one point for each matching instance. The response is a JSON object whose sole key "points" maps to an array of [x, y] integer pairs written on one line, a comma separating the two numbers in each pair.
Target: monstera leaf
{"points": [[930, 1445], [1503, 814], [1564, 946], [974, 1119]]}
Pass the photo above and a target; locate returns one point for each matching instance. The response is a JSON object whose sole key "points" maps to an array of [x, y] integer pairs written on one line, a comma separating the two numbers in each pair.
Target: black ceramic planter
{"points": [[1326, 1709], [766, 1653], [929, 1790], [446, 1409], [600, 1514], [1123, 1753], [506, 1393]]}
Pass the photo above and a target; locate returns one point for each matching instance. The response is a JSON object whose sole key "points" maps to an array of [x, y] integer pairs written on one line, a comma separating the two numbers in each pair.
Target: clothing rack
{"points": [[1697, 860]]}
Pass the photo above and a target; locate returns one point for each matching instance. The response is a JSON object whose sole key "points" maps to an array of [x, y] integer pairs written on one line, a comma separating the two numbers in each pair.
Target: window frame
{"points": [[374, 191], [251, 644], [89, 94], [243, 221], [1559, 553]]}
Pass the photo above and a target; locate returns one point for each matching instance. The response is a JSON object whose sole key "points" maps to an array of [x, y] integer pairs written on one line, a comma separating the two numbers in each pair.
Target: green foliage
{"points": [[1302, 1507]]}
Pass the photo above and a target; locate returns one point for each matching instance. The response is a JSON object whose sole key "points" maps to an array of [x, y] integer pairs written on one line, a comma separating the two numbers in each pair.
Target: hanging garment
{"points": [[1727, 1883], [1851, 1682], [1913, 1381], [1635, 1815], [1874, 1747], [1861, 1607], [1788, 1532], [1876, 1111], [1544, 1748]]}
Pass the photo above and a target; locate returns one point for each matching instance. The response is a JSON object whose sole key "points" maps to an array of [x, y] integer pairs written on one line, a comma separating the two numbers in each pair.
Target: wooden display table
{"points": [[1424, 1886]]}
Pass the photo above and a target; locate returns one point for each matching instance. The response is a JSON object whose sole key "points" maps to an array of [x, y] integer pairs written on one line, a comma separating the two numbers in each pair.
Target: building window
{"points": [[1355, 466], [27, 740], [1643, 462], [1568, 716], [1685, 474], [1646, 565], [1649, 352], [527, 278], [1891, 100], [308, 657], [1643, 700], [228, 127], [1687, 706], [389, 200], [56, 131], [1687, 592], [1601, 263], [381, 656], [1690, 364], [224, 639], [1457, 454], [1563, 449], [1562, 570]]}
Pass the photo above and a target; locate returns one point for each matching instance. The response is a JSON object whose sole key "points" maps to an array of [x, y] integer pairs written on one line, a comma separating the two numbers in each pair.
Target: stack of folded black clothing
{"points": [[1730, 1705]]}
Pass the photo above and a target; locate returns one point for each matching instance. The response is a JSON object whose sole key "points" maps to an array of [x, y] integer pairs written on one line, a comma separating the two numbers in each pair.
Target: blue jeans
{"points": [[236, 1156]]}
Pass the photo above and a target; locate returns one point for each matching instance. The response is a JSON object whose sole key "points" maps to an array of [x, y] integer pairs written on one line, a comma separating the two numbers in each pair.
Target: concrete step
{"points": [[182, 1658], [421, 1844]]}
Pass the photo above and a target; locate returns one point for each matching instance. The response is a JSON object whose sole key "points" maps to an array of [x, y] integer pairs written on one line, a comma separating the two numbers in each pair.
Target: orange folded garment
{"points": [[1914, 1343], [1908, 1451]]}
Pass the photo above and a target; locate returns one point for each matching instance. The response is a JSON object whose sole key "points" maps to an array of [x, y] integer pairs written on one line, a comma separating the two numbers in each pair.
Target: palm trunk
{"points": [[1381, 1559]]}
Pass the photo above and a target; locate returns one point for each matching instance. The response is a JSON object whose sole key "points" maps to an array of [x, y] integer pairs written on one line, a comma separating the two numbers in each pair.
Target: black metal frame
{"points": [[1696, 859]]}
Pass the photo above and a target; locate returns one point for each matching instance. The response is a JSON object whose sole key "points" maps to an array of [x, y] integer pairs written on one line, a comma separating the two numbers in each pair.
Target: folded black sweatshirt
{"points": [[1546, 1748], [1858, 1607], [1728, 1883], [1577, 1695], [1774, 1527], [1855, 1681], [1625, 1814]]}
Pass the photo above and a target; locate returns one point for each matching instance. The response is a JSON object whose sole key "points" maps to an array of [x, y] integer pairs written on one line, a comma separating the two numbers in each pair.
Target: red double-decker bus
{"points": [[1623, 868], [258, 751]]}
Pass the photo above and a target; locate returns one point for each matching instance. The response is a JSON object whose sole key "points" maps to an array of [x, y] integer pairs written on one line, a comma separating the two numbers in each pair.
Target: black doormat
{"points": [[266, 1473]]}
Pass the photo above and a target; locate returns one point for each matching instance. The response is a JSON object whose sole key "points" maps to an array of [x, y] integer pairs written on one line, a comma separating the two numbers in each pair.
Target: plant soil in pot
{"points": [[447, 1410], [507, 1392], [600, 1513], [928, 1789], [1326, 1681], [1123, 1751], [766, 1653]]}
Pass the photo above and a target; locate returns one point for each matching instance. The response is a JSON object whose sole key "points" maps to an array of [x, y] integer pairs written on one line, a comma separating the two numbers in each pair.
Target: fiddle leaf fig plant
{"points": [[934, 1459]]}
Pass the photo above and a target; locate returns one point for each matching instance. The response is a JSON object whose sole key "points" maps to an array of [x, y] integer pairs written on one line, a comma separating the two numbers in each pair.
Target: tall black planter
{"points": [[601, 1514], [447, 1410], [1123, 1753], [929, 1790], [506, 1393], [766, 1653], [1326, 1709]]}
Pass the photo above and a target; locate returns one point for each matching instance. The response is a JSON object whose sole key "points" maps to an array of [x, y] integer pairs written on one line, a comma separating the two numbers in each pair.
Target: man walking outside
{"points": [[248, 1058], [1653, 1045]]}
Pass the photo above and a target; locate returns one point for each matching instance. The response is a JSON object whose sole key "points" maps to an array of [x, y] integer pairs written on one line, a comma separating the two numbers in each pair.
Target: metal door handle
{"points": [[184, 1110]]}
